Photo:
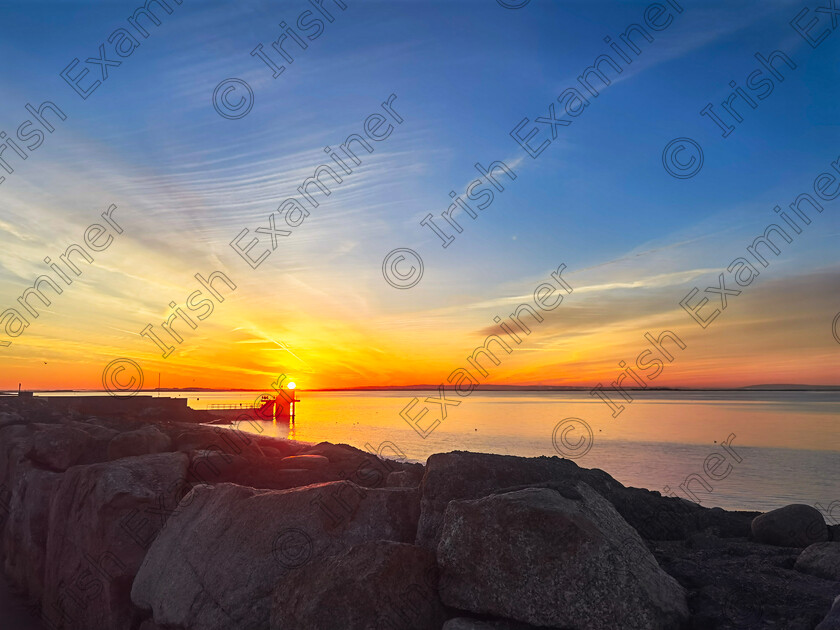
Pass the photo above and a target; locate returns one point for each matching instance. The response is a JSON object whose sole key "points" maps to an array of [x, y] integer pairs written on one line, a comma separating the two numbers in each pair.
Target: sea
{"points": [[745, 449]]}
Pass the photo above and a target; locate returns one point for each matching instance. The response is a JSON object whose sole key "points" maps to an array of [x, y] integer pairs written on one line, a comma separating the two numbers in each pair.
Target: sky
{"points": [[634, 239]]}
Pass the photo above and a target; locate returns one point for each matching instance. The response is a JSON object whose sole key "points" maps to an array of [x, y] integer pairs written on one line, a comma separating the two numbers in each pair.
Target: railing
{"points": [[231, 406]]}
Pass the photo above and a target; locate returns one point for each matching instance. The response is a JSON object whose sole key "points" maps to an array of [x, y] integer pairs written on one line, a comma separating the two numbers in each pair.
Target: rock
{"points": [[377, 584], [410, 476], [467, 623], [112, 425], [25, 539], [58, 447], [744, 584], [15, 442], [102, 519], [832, 621], [464, 475], [230, 441], [353, 464], [658, 517], [820, 559], [98, 446], [140, 442], [402, 479], [10, 418], [98, 432], [215, 466], [329, 463], [242, 541], [304, 462], [270, 451], [552, 558], [278, 446], [795, 525]]}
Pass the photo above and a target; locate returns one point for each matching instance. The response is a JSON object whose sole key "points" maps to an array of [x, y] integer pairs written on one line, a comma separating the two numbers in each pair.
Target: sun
{"points": [[291, 385]]}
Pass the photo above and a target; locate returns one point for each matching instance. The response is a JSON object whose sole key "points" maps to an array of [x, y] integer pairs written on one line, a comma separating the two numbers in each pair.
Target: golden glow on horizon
{"points": [[330, 344]]}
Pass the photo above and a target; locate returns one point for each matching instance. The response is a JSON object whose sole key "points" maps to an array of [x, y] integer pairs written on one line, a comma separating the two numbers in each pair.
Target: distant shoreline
{"points": [[484, 388]]}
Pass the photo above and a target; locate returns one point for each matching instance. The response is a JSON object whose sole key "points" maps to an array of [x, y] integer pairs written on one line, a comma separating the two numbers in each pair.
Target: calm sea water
{"points": [[783, 447]]}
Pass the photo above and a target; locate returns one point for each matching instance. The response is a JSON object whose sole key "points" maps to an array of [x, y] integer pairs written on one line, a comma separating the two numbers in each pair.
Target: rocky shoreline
{"points": [[146, 523]]}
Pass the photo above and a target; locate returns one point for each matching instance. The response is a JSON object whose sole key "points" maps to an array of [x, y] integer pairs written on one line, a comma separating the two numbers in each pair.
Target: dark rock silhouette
{"points": [[832, 620], [377, 584], [156, 522], [143, 441], [559, 559], [242, 541], [795, 525], [99, 526], [820, 559]]}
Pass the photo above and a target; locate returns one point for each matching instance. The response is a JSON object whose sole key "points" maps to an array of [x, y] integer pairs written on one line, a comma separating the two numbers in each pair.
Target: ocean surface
{"points": [[748, 450]]}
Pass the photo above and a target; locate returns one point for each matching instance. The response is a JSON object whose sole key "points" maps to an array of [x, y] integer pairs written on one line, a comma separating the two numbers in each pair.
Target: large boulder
{"points": [[554, 558], [241, 541], [143, 441], [403, 479], [102, 519], [232, 441], [276, 447], [796, 525], [820, 559], [304, 462], [25, 539], [467, 623], [58, 447], [215, 466], [832, 620], [464, 475], [101, 436], [15, 442], [353, 464], [377, 584], [737, 583], [8, 419], [264, 469]]}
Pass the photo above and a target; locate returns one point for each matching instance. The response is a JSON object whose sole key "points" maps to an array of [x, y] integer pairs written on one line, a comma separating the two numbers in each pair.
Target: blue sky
{"points": [[465, 73]]}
